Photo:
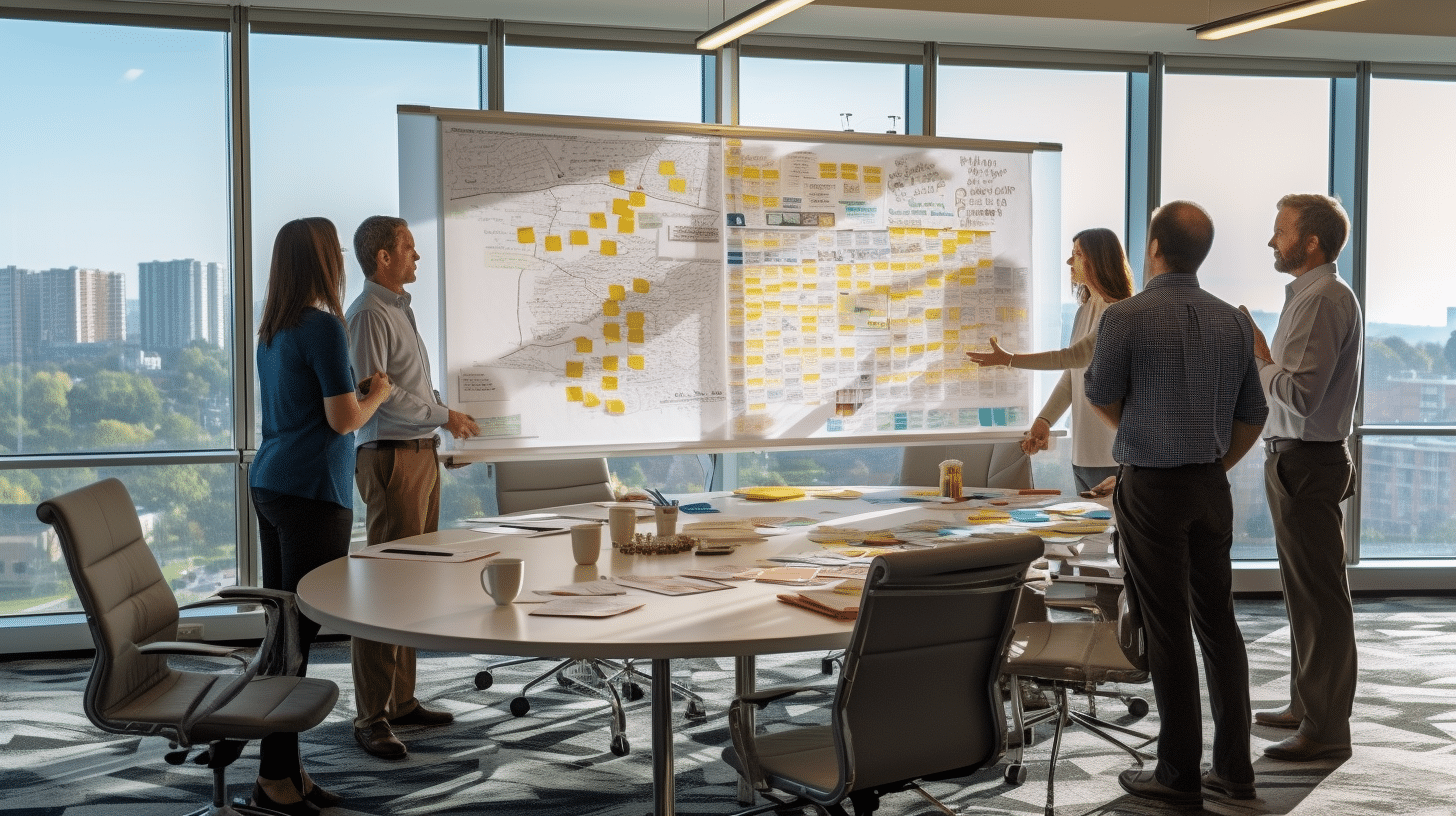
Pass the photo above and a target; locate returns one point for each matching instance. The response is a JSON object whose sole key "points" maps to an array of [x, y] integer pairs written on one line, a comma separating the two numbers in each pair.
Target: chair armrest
{"points": [[763, 697], [194, 649]]}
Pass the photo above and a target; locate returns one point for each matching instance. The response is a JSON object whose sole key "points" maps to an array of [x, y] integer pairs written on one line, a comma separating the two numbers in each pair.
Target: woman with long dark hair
{"points": [[1101, 275], [302, 477]]}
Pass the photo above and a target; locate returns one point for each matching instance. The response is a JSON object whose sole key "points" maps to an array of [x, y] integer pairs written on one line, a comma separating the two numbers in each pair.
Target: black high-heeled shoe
{"points": [[300, 808], [320, 798]]}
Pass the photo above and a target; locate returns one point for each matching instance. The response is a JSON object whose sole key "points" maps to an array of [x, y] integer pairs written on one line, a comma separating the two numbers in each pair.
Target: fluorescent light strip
{"points": [[761, 14], [1273, 15]]}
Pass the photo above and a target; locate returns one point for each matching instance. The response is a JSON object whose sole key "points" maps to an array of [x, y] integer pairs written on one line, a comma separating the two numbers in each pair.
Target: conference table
{"points": [[443, 607]]}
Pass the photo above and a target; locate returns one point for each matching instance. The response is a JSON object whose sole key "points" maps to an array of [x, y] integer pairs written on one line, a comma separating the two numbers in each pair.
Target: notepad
{"points": [[590, 606], [824, 602], [433, 554]]}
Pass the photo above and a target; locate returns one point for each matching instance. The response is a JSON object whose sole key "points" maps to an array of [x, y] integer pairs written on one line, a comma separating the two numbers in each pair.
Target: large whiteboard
{"points": [[612, 285]]}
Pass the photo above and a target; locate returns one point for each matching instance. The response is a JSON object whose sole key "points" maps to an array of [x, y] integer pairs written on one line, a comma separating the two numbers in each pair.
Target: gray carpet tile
{"points": [[555, 760]]}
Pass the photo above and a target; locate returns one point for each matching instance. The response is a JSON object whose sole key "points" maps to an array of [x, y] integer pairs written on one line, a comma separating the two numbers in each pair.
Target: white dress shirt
{"points": [[383, 337], [1314, 380]]}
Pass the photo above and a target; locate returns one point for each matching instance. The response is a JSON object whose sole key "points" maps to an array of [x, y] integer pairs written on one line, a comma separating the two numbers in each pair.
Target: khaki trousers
{"points": [[401, 491]]}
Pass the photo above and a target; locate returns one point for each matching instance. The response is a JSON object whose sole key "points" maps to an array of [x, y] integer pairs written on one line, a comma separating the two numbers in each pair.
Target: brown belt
{"points": [[428, 443]]}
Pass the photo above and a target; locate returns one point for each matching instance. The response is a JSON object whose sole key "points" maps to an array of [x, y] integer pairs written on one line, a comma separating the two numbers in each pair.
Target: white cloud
{"points": [[131, 75]]}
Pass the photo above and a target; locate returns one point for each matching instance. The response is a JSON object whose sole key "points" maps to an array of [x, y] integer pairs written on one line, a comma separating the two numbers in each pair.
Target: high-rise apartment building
{"points": [[182, 301], [59, 307]]}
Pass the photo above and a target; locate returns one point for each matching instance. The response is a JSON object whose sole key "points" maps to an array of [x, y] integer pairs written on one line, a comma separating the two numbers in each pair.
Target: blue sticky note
{"points": [[699, 507], [1029, 515], [987, 418], [999, 416], [1097, 514]]}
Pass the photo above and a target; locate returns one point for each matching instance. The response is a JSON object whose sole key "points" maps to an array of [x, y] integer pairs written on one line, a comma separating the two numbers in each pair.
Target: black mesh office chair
{"points": [[133, 616]]}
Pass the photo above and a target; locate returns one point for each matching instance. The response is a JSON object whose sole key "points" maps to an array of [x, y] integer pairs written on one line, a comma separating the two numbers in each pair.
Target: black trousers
{"points": [[1175, 530], [296, 535]]}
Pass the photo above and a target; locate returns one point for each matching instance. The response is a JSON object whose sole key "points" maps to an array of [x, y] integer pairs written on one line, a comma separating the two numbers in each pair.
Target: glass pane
{"points": [[817, 95], [681, 473], [186, 511], [613, 84], [1405, 491], [1410, 299], [115, 293], [1236, 145], [837, 466]]}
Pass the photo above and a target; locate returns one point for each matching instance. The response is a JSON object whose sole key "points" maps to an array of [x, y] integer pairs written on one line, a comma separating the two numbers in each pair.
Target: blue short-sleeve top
{"points": [[301, 455]]}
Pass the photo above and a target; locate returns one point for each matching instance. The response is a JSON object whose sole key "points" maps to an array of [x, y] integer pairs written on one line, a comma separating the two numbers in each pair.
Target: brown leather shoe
{"points": [[419, 715], [1144, 783], [380, 741], [1276, 719], [1300, 748]]}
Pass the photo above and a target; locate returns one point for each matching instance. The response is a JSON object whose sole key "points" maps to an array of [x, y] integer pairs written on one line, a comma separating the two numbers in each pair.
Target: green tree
{"points": [[47, 411], [116, 395], [112, 434]]}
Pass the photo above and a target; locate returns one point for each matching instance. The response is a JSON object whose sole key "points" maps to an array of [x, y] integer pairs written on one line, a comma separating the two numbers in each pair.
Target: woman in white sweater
{"points": [[1101, 275]]}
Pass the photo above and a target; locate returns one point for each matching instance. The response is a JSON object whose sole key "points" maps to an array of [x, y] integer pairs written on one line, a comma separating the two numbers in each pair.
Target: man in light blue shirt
{"points": [[396, 471]]}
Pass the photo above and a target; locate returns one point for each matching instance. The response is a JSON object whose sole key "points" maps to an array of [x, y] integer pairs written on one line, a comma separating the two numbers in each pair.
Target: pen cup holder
{"points": [[666, 517]]}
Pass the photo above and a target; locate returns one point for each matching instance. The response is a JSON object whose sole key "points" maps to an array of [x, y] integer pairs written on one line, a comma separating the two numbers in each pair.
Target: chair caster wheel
{"points": [[520, 706], [1015, 774], [631, 692], [1138, 707], [826, 666], [695, 711], [484, 679], [620, 746]]}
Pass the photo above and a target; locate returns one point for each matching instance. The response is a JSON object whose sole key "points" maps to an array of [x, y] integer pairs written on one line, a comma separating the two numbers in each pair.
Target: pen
{"points": [[420, 552], [529, 528]]}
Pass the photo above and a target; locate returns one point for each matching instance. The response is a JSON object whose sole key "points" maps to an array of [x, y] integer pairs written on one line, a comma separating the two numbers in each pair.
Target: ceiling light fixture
{"points": [[761, 14], [1273, 15]]}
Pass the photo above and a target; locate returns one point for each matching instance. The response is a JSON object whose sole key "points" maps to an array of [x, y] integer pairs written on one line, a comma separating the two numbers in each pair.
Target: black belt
{"points": [[1278, 445], [428, 443]]}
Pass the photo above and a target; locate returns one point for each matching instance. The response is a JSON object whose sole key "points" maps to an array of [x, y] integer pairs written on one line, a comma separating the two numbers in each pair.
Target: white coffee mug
{"points": [[622, 521], [502, 578], [586, 543], [666, 515]]}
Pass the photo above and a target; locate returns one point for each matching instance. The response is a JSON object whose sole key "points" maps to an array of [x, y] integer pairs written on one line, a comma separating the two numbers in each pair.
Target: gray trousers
{"points": [[401, 490], [1305, 485]]}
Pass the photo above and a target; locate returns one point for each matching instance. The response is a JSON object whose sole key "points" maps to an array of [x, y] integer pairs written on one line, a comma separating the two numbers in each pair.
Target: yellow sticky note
{"points": [[611, 308], [636, 320], [617, 176], [637, 198], [612, 332], [770, 173], [626, 226], [609, 383], [667, 168], [616, 291], [597, 220], [636, 335], [609, 363], [616, 407], [573, 393], [621, 206], [677, 185], [574, 369], [583, 345], [578, 238], [752, 172], [636, 362], [553, 243], [641, 286], [609, 248], [525, 235], [590, 400]]}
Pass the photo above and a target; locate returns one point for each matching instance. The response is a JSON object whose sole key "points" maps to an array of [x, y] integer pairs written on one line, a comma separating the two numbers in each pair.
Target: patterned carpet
{"points": [[555, 761]]}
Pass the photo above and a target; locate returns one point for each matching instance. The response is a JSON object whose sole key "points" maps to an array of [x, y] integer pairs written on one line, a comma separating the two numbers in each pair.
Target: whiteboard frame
{"points": [[422, 204]]}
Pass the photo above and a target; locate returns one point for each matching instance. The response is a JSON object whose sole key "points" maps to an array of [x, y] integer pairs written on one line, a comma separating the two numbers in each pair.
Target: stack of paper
{"points": [[726, 531], [825, 602]]}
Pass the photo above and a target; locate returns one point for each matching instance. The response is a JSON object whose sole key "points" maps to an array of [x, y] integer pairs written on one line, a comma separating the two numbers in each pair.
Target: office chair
{"points": [[1076, 656], [941, 616], [984, 464], [522, 486], [133, 615]]}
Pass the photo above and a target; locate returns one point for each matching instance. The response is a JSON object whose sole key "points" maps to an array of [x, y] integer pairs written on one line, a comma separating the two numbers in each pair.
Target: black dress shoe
{"points": [[263, 800], [1277, 719], [320, 798], [419, 715], [380, 741], [1217, 785], [1145, 784], [1300, 748]]}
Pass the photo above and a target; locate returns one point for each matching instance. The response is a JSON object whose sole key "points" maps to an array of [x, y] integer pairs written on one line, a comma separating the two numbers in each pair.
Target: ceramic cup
{"points": [[622, 521], [501, 578], [666, 519], [586, 543]]}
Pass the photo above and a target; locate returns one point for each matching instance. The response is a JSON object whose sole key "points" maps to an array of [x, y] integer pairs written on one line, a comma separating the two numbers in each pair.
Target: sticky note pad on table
{"points": [[637, 198], [553, 243], [578, 238], [677, 185], [609, 248]]}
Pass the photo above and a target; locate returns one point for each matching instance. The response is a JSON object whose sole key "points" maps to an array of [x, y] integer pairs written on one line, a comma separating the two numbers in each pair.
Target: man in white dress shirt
{"points": [[1311, 379]]}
